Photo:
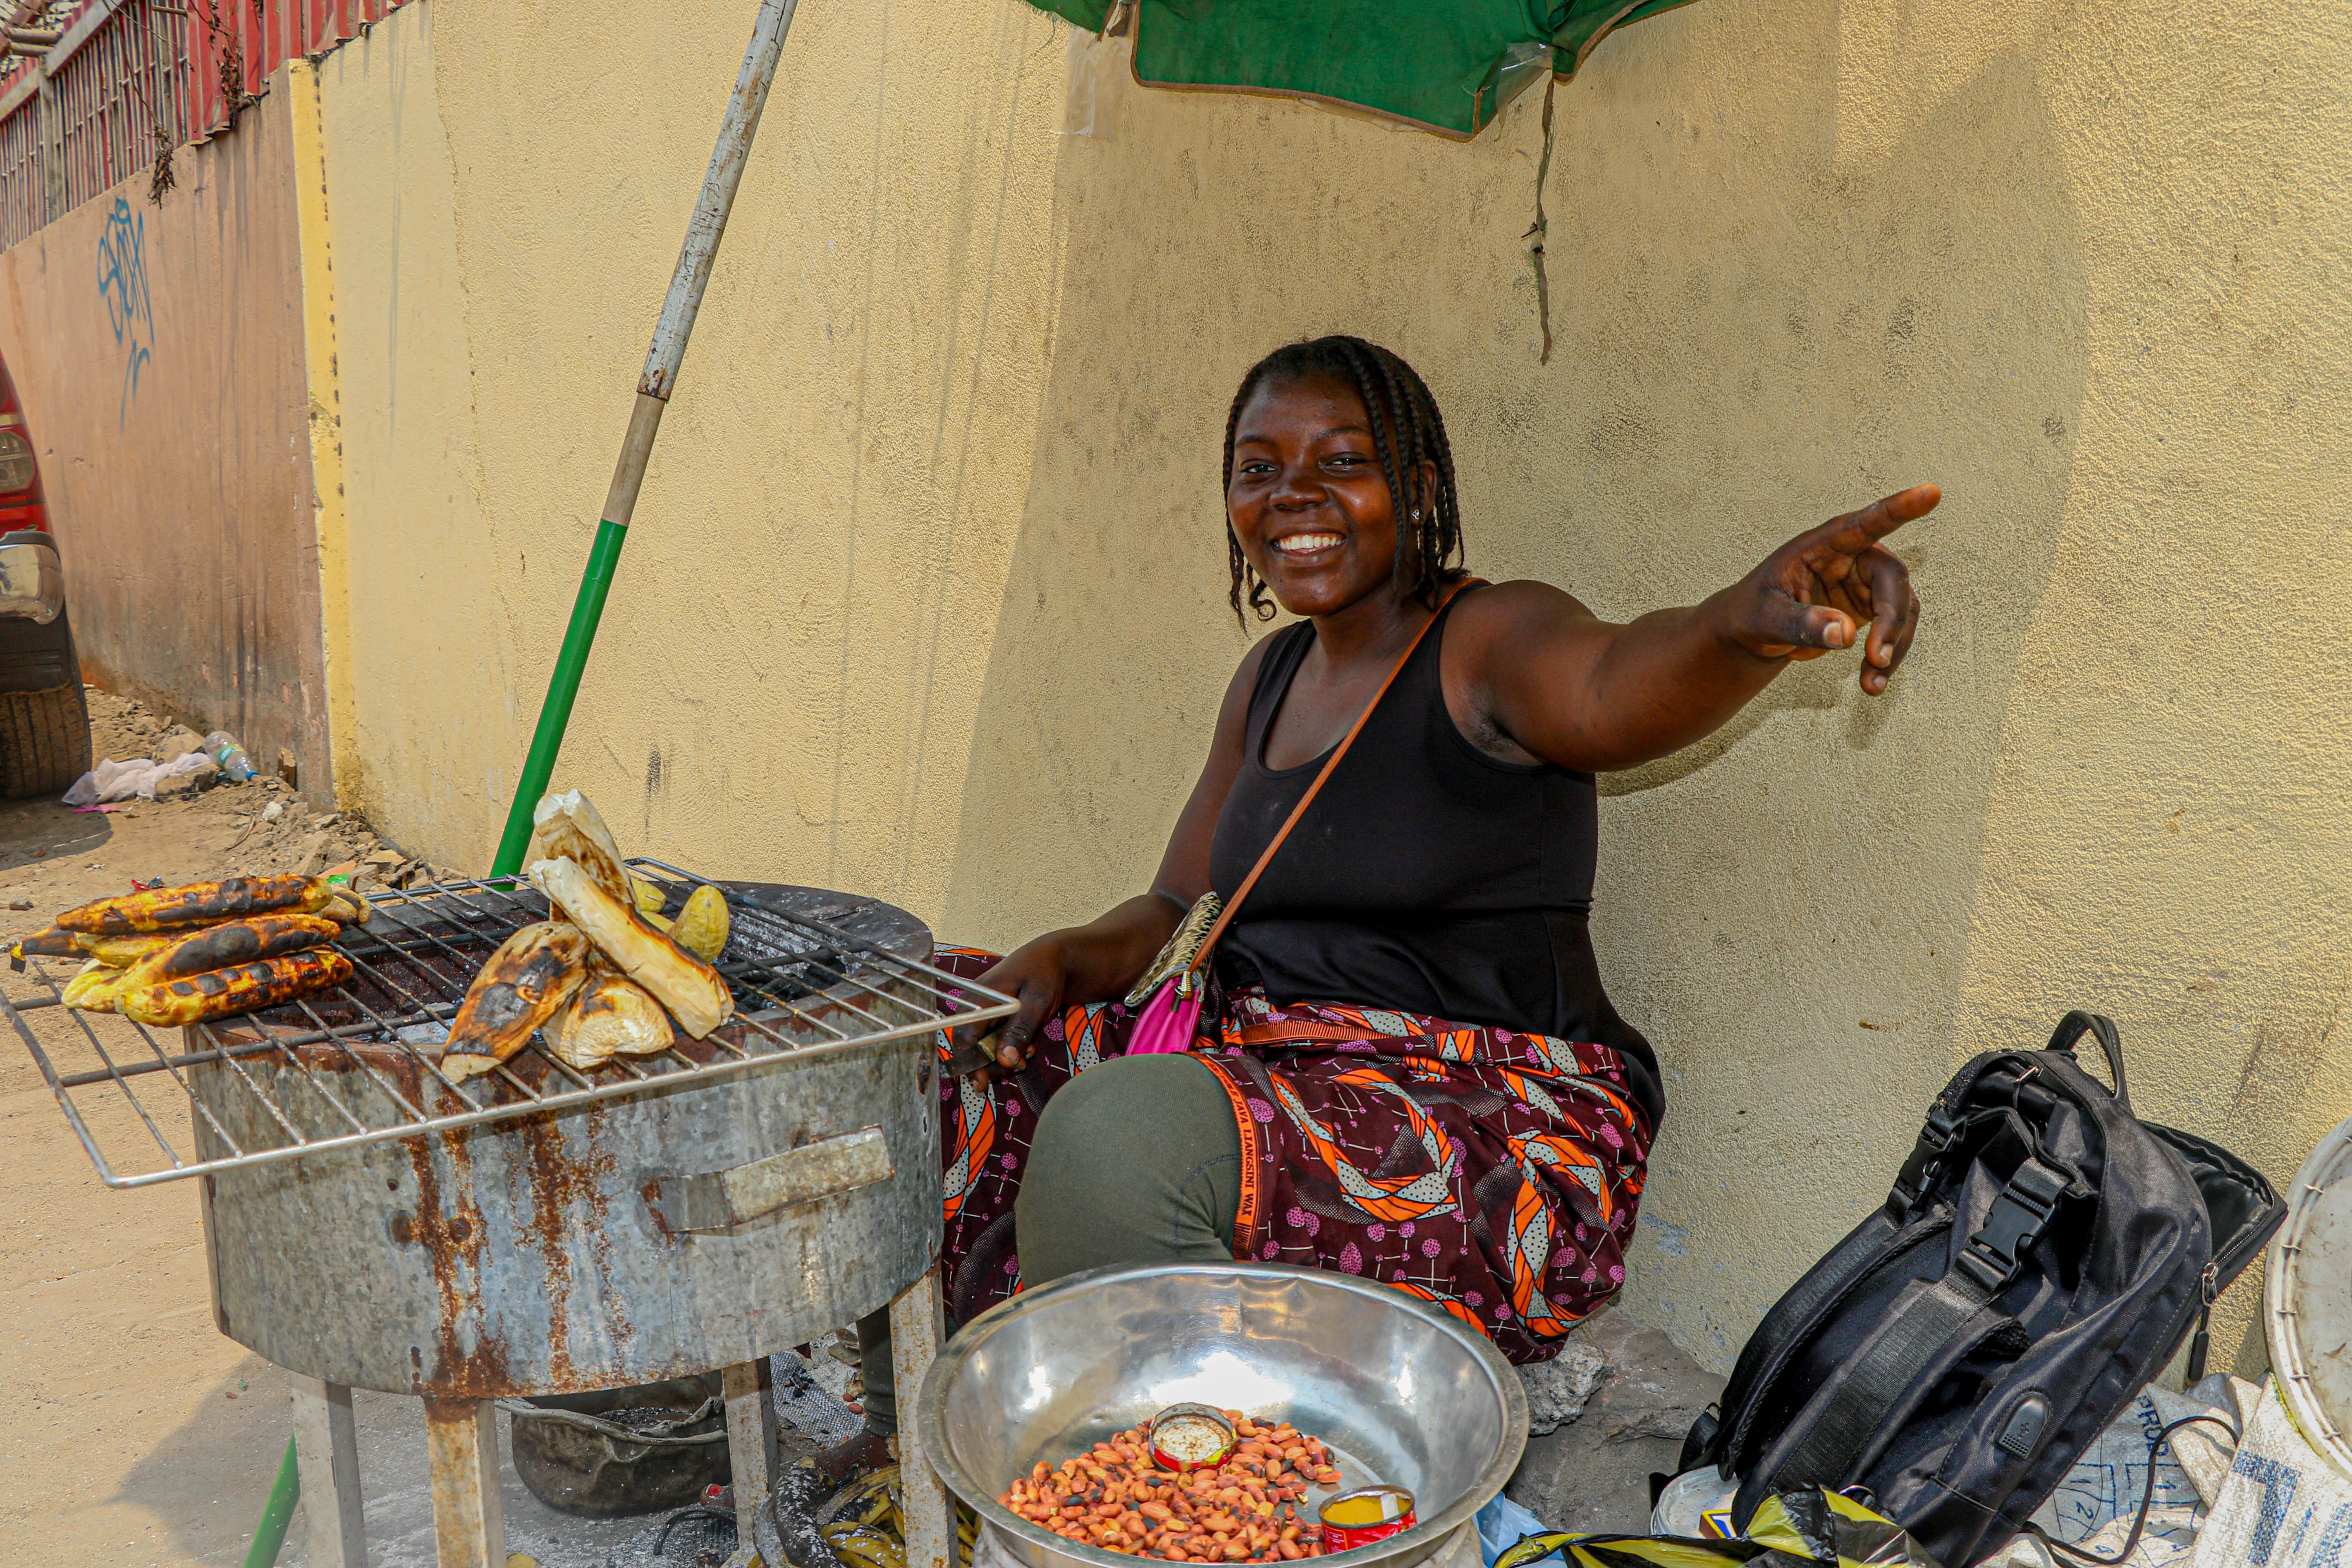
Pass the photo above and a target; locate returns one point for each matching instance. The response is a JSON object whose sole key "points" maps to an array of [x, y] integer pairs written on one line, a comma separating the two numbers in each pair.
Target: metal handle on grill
{"points": [[721, 1199]]}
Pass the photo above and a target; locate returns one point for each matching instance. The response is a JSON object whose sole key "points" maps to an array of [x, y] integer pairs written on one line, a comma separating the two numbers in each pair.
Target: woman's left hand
{"points": [[1815, 594]]}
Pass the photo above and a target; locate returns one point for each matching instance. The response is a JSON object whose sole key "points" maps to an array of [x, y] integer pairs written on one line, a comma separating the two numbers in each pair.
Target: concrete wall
{"points": [[160, 353], [925, 595]]}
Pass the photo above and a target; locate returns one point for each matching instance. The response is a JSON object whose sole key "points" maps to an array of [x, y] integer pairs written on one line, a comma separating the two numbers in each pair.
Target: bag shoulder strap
{"points": [[1225, 916], [1918, 1329]]}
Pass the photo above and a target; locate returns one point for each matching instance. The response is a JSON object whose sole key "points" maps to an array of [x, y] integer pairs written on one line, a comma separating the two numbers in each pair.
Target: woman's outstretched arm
{"points": [[1581, 692]]}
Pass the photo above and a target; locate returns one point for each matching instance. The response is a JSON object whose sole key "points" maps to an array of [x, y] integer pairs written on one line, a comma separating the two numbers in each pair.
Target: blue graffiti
{"points": [[123, 283]]}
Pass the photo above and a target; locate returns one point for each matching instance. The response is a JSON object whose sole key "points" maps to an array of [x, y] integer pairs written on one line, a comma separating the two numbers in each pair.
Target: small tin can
{"points": [[1367, 1514], [1190, 1438]]}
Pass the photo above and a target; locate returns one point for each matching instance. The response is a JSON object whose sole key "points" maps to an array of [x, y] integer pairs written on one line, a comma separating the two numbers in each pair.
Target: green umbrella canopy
{"points": [[1447, 66]]}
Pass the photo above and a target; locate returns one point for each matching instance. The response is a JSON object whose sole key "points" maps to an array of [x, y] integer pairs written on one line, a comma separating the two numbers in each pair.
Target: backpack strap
{"points": [[1791, 1325], [1919, 1328], [1872, 1246]]}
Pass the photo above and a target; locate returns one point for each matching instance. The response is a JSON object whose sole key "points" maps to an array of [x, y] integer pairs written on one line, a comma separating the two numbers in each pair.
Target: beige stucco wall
{"points": [[925, 594], [159, 351], [788, 675]]}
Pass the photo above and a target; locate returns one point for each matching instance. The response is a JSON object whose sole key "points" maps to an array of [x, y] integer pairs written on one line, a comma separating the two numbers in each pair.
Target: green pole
{"points": [[561, 688], [270, 1534], [662, 360], [663, 357]]}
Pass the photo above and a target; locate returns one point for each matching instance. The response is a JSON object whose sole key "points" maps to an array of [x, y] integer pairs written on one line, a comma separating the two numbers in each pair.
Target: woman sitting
{"points": [[1406, 1067]]}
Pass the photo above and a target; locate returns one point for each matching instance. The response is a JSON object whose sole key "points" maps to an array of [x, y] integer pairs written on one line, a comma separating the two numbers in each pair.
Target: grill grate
{"points": [[803, 985]]}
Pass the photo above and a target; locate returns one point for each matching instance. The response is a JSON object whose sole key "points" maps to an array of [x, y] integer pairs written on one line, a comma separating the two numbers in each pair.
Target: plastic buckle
{"points": [[1926, 1167], [2011, 1225]]}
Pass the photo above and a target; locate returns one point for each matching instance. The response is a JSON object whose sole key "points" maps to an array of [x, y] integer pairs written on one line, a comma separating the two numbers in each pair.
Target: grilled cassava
{"points": [[687, 986], [610, 1014], [217, 993], [566, 826], [197, 903], [533, 974], [231, 942]]}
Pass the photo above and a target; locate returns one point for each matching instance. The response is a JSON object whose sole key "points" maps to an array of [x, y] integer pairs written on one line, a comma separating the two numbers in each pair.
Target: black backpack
{"points": [[2040, 1259]]}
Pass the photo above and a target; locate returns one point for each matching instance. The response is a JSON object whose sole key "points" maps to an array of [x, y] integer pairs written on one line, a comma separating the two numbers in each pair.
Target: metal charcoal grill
{"points": [[811, 971], [537, 1231]]}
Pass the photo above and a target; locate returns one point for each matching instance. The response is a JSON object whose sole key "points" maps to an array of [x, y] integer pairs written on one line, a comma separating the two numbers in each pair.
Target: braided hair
{"points": [[1407, 431]]}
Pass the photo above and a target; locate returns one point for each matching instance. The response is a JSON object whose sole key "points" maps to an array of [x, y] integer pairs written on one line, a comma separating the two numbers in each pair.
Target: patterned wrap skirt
{"points": [[1495, 1175]]}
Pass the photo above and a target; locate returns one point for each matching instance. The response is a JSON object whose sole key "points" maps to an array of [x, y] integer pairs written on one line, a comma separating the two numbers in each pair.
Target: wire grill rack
{"points": [[360, 1064]]}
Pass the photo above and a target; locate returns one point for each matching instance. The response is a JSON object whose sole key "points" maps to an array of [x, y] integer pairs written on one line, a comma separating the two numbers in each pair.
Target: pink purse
{"points": [[1171, 990]]}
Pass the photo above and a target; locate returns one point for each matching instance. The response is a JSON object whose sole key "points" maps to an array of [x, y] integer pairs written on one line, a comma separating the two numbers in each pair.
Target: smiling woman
{"points": [[1405, 1065]]}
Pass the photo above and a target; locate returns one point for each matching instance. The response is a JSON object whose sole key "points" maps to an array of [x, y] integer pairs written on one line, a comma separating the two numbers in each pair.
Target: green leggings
{"points": [[1136, 1159]]}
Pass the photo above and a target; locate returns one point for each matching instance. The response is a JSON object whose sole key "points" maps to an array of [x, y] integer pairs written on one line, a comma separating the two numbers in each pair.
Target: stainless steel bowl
{"points": [[1408, 1395]]}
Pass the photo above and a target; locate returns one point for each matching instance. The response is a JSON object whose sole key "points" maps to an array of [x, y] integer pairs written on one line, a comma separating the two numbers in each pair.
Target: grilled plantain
{"points": [[94, 989], [533, 972], [196, 903], [218, 993], [55, 942], [231, 942], [648, 898], [567, 826], [702, 926], [687, 986], [122, 951], [610, 1014]]}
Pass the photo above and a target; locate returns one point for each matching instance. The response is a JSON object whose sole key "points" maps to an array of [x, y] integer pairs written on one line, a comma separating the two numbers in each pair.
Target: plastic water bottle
{"points": [[223, 750]]}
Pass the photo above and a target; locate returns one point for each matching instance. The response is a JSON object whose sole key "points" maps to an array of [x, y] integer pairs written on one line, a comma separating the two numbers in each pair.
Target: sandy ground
{"points": [[140, 1435]]}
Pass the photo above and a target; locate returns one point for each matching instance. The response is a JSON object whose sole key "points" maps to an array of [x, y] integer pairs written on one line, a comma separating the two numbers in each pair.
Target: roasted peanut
{"points": [[1112, 1495]]}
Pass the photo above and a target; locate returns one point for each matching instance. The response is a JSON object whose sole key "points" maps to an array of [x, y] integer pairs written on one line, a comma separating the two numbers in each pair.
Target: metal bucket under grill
{"points": [[697, 1220]]}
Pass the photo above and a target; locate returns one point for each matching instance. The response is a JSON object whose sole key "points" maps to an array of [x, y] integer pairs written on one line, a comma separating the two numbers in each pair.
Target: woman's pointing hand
{"points": [[1816, 592]]}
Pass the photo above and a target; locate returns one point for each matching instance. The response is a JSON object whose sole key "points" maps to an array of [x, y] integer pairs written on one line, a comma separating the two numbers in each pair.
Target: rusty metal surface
{"points": [[532, 1257]]}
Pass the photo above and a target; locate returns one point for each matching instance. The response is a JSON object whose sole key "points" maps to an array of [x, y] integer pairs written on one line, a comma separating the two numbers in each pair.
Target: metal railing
{"points": [[124, 80], [24, 206], [119, 97]]}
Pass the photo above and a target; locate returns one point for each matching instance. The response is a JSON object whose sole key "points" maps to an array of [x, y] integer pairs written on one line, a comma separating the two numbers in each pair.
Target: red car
{"points": [[44, 716]]}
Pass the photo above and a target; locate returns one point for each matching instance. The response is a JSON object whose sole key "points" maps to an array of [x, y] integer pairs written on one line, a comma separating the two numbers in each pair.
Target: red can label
{"points": [[1190, 1438], [1368, 1514]]}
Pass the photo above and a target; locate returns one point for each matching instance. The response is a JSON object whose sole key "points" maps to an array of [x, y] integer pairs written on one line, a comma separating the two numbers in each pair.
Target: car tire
{"points": [[44, 741]]}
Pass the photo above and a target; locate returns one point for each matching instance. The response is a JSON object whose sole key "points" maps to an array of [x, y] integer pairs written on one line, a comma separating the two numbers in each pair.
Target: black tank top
{"points": [[1426, 877]]}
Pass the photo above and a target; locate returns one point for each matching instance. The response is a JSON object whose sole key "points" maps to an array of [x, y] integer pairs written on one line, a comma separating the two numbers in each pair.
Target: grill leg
{"points": [[327, 1449], [469, 1526], [923, 1502], [750, 1387]]}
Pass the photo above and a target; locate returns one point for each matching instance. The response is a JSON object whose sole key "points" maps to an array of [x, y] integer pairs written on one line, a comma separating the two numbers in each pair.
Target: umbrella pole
{"points": [[660, 378]]}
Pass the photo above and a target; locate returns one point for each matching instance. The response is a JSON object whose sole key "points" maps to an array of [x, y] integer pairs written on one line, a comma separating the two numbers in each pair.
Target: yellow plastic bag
{"points": [[1809, 1529]]}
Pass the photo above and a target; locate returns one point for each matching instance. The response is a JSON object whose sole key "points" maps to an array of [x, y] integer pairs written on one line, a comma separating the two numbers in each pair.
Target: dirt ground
{"points": [[142, 1435], [139, 1437]]}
